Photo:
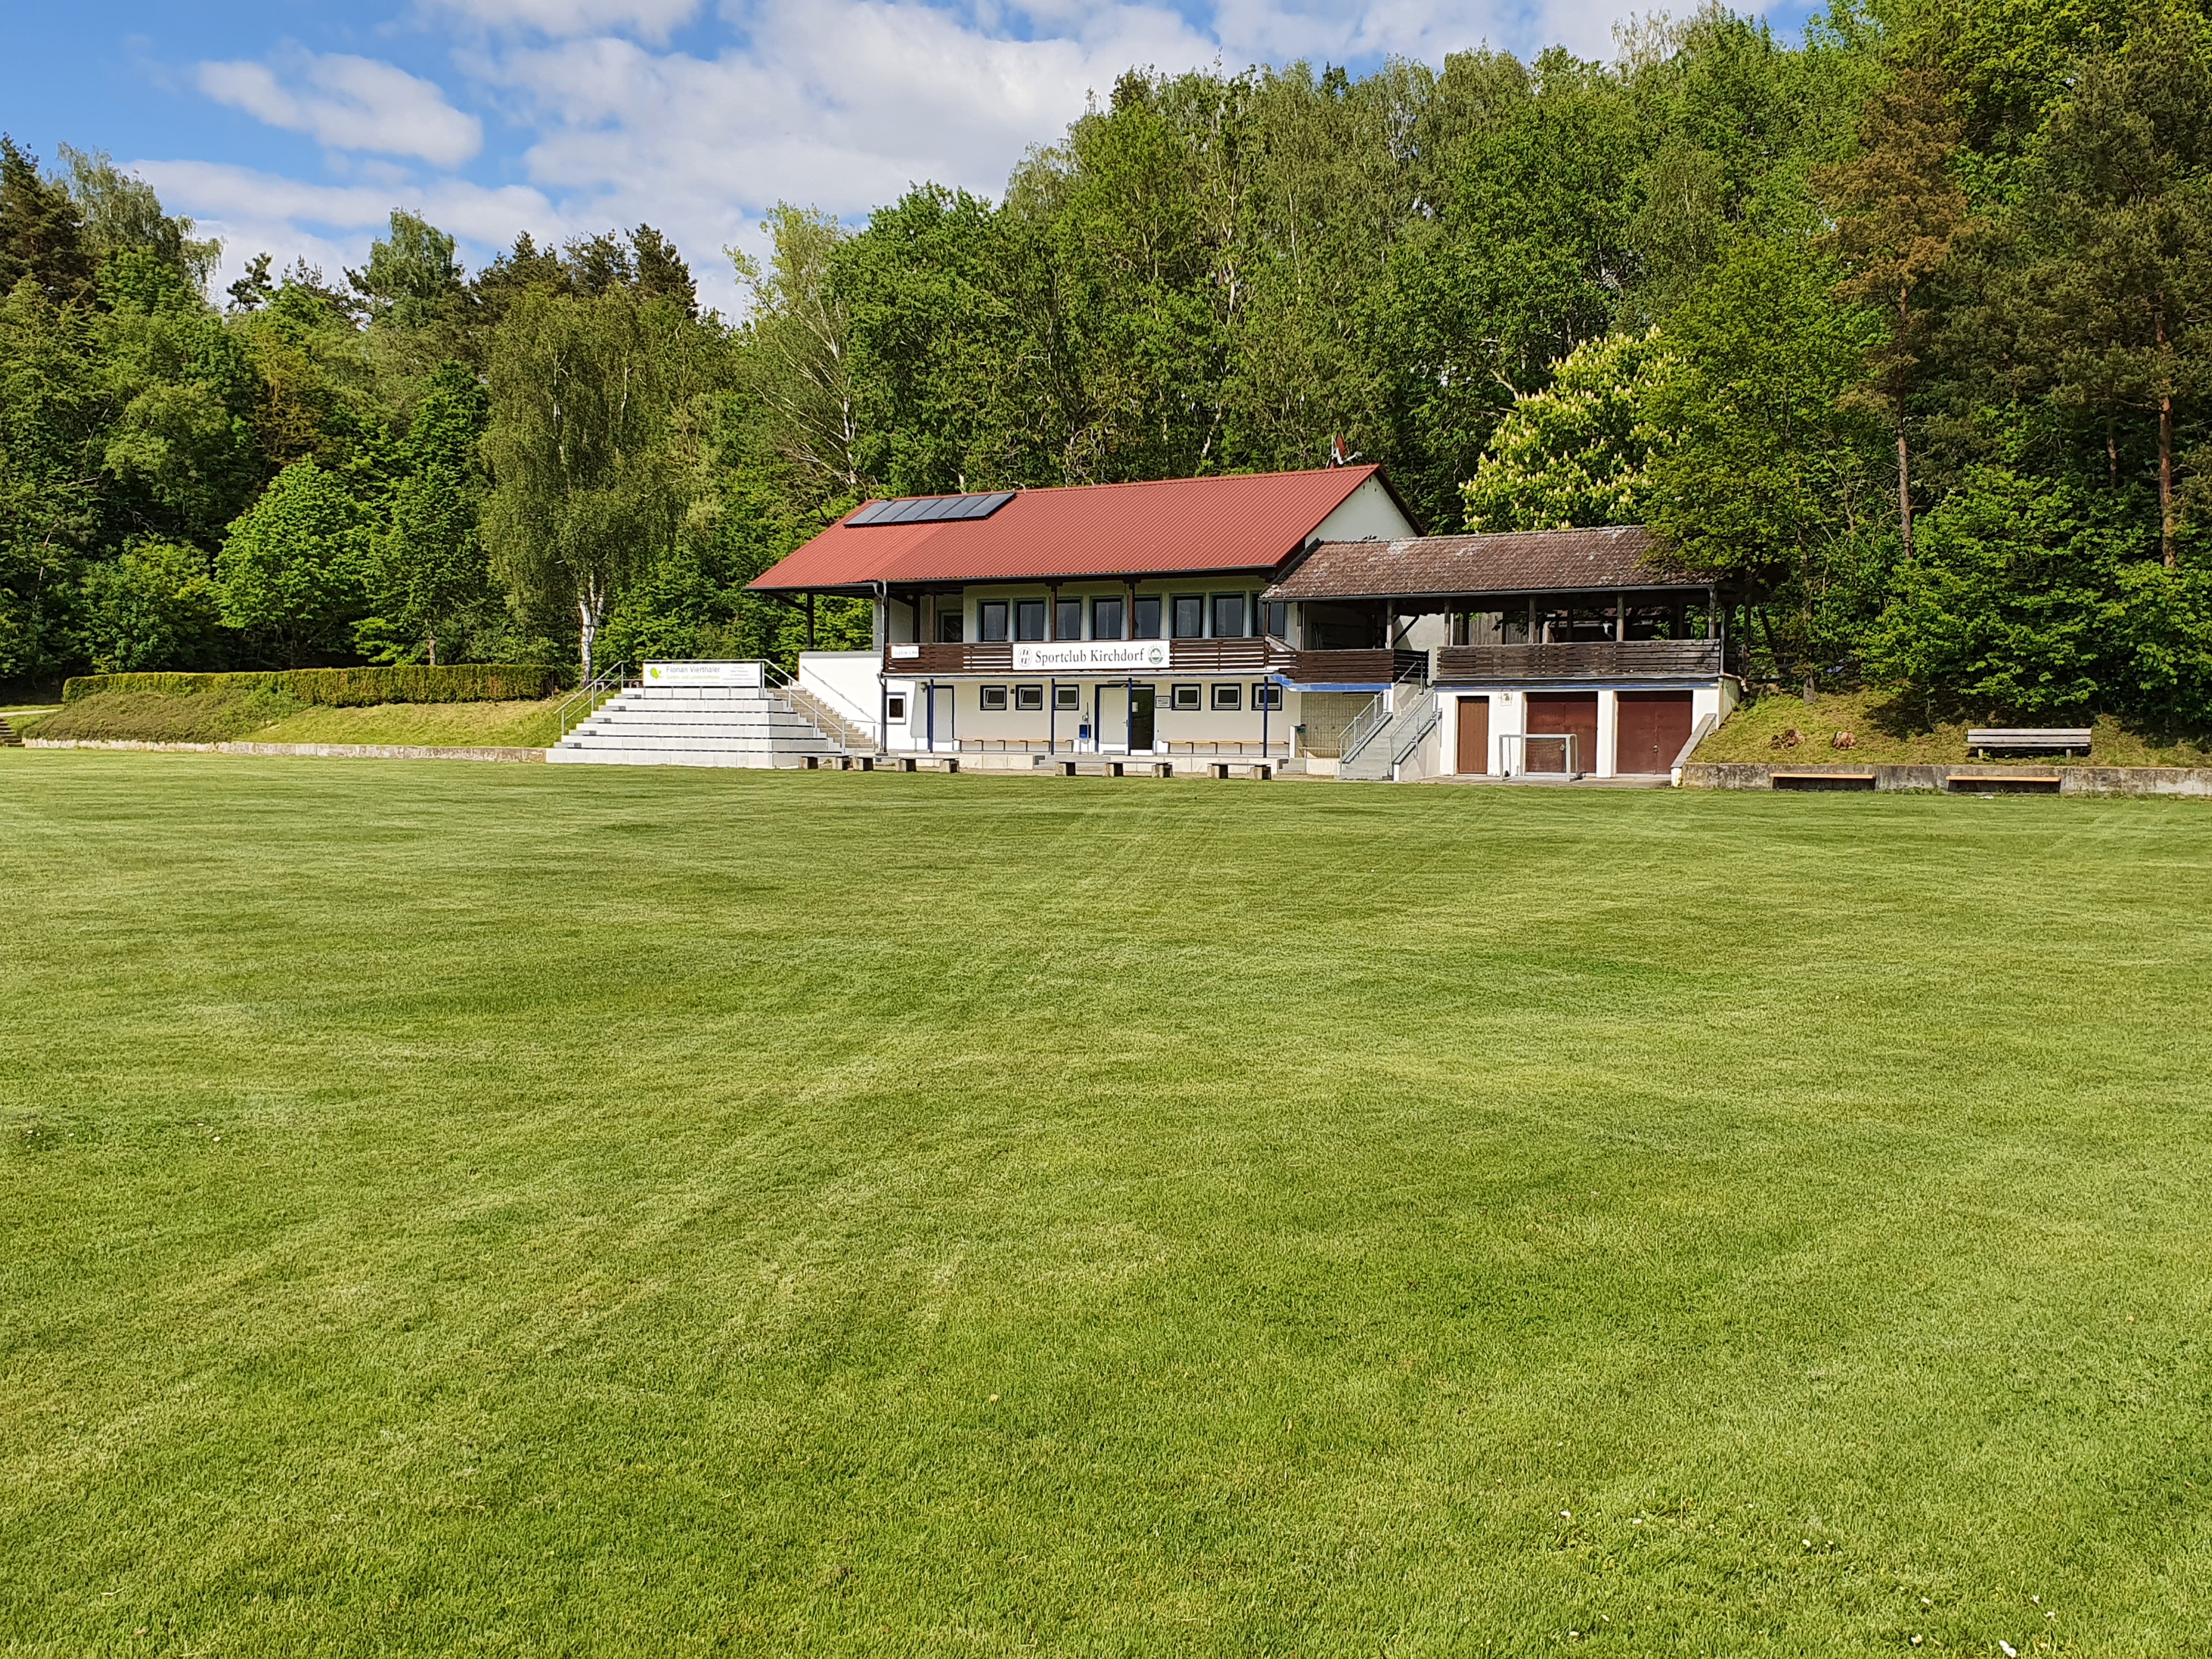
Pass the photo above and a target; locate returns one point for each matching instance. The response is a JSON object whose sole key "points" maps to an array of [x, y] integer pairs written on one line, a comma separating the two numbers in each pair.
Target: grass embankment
{"points": [[256, 717], [596, 1210], [1886, 734]]}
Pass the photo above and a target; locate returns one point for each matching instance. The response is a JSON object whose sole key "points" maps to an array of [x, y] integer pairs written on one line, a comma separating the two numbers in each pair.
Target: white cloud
{"points": [[349, 103], [653, 18]]}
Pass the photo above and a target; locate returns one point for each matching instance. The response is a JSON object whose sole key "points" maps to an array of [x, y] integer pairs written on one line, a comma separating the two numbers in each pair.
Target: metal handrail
{"points": [[1424, 715], [611, 680], [778, 681], [1362, 728]]}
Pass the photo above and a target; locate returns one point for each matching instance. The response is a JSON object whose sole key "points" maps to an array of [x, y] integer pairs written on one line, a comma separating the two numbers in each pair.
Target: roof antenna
{"points": [[1338, 455]]}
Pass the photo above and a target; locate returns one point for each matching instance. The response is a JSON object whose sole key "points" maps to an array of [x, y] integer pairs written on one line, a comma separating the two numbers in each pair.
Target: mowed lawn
{"points": [[474, 1209]]}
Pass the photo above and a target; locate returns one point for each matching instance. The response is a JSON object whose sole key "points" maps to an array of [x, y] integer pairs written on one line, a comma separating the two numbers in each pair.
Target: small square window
{"points": [[1228, 698], [995, 698], [991, 621], [1067, 698], [1266, 695], [1030, 699], [1189, 616], [895, 709], [1187, 698], [1029, 619]]}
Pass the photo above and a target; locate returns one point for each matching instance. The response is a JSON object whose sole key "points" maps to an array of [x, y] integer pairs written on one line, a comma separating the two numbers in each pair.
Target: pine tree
{"points": [[1897, 214], [42, 233]]}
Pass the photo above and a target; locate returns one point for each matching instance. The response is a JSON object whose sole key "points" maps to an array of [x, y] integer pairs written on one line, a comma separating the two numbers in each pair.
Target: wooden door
{"points": [[1474, 735], [1558, 712], [1650, 728]]}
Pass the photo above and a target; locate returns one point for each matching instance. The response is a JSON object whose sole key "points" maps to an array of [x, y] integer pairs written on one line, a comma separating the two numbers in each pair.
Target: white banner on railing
{"points": [[702, 674], [1090, 656]]}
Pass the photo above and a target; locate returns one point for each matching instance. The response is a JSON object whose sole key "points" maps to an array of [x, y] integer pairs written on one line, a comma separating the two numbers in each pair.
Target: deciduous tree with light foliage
{"points": [[1575, 453]]}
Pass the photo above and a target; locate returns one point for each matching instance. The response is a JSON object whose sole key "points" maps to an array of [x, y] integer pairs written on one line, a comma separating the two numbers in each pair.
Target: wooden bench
{"points": [[2040, 740]]}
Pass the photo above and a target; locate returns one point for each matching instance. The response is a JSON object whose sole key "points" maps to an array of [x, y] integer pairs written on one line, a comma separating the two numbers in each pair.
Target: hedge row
{"points": [[351, 688]]}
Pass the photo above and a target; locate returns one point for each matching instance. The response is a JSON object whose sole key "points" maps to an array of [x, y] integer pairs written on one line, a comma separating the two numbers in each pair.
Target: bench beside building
{"points": [[1254, 615]]}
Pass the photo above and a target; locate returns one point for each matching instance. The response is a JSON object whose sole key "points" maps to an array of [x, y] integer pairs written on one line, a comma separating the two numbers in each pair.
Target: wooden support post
{"points": [[810, 622]]}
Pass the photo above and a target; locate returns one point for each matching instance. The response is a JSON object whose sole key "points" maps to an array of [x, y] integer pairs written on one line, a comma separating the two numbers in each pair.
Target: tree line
{"points": [[1903, 328]]}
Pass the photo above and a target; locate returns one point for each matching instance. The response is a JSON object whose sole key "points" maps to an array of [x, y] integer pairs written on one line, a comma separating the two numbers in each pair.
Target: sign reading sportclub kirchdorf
{"points": [[1090, 656]]}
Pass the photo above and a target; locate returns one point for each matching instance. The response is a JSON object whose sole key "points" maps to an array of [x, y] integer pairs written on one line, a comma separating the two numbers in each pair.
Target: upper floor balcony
{"points": [[1587, 659]]}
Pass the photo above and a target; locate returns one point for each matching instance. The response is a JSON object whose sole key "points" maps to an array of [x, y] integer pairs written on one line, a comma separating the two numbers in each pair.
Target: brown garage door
{"points": [[1474, 734], [1649, 730], [1563, 711]]}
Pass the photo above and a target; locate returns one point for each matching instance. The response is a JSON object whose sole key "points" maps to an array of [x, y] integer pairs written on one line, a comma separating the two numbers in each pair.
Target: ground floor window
{"points": [[994, 698], [895, 707], [1266, 695], [1185, 697], [1029, 698], [1066, 698], [1228, 698]]}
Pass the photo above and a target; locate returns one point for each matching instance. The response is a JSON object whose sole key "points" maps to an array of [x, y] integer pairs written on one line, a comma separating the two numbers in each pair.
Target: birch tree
{"points": [[584, 496]]}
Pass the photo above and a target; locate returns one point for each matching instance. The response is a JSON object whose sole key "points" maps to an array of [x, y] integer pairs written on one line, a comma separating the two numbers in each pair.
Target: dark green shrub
{"points": [[350, 688]]}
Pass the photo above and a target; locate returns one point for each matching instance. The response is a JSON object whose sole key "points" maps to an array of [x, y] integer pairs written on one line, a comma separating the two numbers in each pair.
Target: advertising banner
{"points": [[702, 674], [1091, 657]]}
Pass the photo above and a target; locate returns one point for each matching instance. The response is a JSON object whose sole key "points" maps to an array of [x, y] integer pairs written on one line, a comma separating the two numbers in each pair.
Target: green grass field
{"points": [[256, 717], [474, 1209]]}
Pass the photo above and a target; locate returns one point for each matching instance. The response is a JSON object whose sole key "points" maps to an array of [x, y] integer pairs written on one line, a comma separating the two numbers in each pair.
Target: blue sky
{"points": [[295, 126]]}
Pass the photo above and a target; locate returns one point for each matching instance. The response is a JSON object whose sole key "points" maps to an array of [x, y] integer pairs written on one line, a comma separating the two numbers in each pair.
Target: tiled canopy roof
{"points": [[1251, 522], [1530, 562]]}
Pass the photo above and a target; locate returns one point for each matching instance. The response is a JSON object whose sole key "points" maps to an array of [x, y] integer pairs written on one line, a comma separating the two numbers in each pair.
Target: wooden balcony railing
{"points": [[1375, 667], [1238, 657], [1595, 660]]}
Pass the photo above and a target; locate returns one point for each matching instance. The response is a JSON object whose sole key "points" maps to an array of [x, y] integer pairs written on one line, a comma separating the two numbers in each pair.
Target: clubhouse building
{"points": [[1294, 618]]}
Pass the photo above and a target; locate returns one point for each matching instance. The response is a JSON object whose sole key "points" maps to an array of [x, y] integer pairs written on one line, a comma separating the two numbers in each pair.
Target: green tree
{"points": [[41, 232], [1757, 469], [412, 275], [432, 580], [294, 569], [155, 607], [585, 494], [121, 213], [1898, 212], [2115, 297], [1577, 452]]}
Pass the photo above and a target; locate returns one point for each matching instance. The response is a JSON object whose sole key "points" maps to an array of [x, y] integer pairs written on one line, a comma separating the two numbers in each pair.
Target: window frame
{"points": [[1225, 697], [983, 699], [1195, 706], [951, 627], [1120, 616], [1066, 698], [1059, 610], [1159, 616], [983, 610], [895, 706], [1023, 693], [1043, 622], [1244, 603], [1268, 696], [1174, 616]]}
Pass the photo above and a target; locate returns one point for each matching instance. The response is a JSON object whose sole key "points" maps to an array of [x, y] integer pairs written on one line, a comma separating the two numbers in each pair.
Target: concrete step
{"points": [[755, 759]]}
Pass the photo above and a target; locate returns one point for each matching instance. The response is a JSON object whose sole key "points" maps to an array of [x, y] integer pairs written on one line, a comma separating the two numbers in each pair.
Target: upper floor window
{"points": [[1228, 615], [1029, 619], [1147, 618], [991, 621], [1277, 615], [1067, 623], [1189, 616], [1105, 619], [948, 627]]}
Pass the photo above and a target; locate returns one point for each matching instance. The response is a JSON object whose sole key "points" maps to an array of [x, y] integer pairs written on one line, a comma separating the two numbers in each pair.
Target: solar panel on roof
{"points": [[931, 509]]}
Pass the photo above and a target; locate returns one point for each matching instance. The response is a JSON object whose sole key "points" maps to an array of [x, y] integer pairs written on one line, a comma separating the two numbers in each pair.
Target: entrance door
{"points": [[1140, 720], [1551, 712], [1474, 734], [1650, 728]]}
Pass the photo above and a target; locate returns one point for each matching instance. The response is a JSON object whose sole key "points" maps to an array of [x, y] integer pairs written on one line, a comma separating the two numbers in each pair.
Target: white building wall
{"points": [[1368, 512]]}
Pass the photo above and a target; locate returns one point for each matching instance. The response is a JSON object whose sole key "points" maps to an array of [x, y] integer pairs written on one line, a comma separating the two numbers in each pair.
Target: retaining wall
{"points": [[2072, 780], [321, 751]]}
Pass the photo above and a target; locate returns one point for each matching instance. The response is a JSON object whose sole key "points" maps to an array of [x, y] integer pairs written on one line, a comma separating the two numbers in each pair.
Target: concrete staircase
{"points": [[9, 738], [695, 725], [1380, 738]]}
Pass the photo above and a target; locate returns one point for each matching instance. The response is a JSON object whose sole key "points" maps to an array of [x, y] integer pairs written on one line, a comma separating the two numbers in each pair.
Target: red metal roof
{"points": [[1248, 522]]}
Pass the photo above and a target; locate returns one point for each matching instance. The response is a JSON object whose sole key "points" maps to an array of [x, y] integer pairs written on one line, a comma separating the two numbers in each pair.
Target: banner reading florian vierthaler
{"points": [[1090, 656]]}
